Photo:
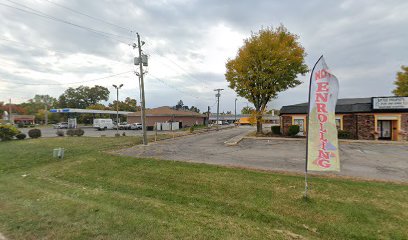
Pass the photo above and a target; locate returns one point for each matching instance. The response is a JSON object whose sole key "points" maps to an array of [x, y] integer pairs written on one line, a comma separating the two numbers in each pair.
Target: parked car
{"points": [[136, 126], [61, 125], [103, 123], [124, 126]]}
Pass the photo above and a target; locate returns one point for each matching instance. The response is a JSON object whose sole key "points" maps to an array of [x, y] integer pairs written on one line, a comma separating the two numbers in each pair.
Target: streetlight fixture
{"points": [[117, 106]]}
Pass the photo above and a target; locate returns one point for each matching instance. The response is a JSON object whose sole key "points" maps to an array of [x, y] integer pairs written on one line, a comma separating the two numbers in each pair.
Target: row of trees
{"points": [[180, 106], [83, 97]]}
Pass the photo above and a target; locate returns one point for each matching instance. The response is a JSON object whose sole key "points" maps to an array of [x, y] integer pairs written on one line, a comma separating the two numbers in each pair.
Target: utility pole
{"points": [[46, 110], [208, 116], [142, 60], [218, 95], [117, 107], [9, 111]]}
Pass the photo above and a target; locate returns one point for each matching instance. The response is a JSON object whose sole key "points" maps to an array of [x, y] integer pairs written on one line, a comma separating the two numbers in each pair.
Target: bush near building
{"points": [[75, 132], [21, 136], [60, 133], [293, 130], [344, 134], [34, 133], [7, 132], [276, 130]]}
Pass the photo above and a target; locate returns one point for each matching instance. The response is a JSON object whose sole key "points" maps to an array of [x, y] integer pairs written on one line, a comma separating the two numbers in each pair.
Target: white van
{"points": [[103, 123]]}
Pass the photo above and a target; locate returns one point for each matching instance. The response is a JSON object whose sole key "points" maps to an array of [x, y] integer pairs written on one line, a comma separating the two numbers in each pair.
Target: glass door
{"points": [[301, 124], [384, 129]]}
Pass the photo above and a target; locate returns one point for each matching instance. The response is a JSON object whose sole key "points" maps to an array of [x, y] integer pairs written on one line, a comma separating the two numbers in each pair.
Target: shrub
{"points": [[344, 134], [293, 130], [124, 134], [75, 132], [7, 132], [79, 132], [117, 134], [192, 129], [60, 133], [20, 125], [21, 136], [276, 130], [34, 133], [71, 132]]}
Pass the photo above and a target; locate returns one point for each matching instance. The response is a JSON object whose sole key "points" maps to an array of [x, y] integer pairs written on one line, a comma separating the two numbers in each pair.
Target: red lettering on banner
{"points": [[323, 145], [324, 155], [322, 138], [321, 74], [321, 108], [324, 163], [322, 97], [322, 87]]}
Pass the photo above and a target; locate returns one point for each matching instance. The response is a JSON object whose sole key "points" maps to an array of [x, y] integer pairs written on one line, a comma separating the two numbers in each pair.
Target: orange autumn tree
{"points": [[402, 83], [267, 63]]}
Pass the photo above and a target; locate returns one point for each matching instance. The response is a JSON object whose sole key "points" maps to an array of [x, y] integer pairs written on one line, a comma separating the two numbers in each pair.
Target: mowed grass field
{"points": [[92, 194]]}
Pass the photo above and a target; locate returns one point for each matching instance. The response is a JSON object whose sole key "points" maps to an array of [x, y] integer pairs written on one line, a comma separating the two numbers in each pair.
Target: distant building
{"points": [[23, 119], [384, 118], [167, 114]]}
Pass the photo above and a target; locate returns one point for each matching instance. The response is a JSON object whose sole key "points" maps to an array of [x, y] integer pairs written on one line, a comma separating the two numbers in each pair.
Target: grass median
{"points": [[92, 194]]}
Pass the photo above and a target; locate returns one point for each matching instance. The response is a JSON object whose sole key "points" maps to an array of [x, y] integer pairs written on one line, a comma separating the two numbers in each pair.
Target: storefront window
{"points": [[300, 123], [338, 123]]}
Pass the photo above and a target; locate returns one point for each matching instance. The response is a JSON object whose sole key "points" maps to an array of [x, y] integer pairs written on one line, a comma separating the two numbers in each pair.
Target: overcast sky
{"points": [[189, 42]]}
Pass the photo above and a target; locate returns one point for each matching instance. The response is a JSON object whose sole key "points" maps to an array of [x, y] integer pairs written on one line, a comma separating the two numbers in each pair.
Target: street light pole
{"points": [[218, 90], [235, 110], [117, 106]]}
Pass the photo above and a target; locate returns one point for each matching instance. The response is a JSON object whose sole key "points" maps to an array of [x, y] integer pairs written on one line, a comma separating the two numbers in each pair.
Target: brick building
{"points": [[167, 114], [384, 118]]}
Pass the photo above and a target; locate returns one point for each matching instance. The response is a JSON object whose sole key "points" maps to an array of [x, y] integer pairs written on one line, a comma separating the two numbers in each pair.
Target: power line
{"points": [[175, 88], [46, 16], [52, 50], [181, 68], [87, 15], [60, 84]]}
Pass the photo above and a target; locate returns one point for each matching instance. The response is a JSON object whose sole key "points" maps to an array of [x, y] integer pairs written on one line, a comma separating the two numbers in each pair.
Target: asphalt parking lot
{"points": [[360, 160]]}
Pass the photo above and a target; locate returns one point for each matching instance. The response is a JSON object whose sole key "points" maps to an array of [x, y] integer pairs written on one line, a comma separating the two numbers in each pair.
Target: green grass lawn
{"points": [[95, 195]]}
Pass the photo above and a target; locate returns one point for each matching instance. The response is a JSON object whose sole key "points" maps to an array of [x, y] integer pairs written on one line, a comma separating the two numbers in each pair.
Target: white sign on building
{"points": [[390, 103]]}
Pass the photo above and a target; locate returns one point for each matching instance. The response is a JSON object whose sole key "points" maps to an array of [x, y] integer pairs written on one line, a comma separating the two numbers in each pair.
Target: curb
{"points": [[340, 140], [235, 140]]}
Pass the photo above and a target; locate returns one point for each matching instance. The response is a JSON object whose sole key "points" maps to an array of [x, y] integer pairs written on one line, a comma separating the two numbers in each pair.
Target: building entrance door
{"points": [[301, 124], [384, 129]]}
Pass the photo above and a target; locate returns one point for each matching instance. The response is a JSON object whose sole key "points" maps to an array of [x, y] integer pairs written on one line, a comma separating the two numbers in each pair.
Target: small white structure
{"points": [[103, 123], [72, 123], [168, 126]]}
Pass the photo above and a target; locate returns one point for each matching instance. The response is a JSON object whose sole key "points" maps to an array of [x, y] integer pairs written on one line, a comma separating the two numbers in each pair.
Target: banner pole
{"points": [[308, 128]]}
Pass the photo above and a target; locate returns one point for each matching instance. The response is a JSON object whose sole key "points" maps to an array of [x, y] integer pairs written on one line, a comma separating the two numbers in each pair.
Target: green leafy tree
{"points": [[87, 118], [402, 83], [267, 63], [247, 110], [179, 105], [37, 105], [83, 96], [194, 109], [129, 105]]}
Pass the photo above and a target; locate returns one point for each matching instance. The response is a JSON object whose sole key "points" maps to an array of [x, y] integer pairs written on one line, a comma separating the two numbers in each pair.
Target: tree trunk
{"points": [[259, 124]]}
